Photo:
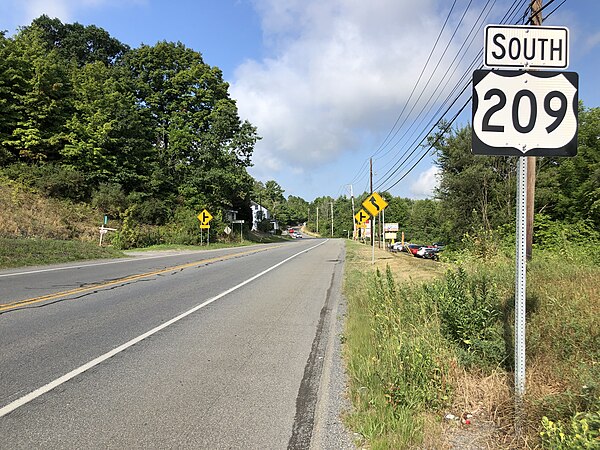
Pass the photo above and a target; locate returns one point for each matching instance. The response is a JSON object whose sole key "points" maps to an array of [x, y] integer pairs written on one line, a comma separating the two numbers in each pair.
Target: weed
{"points": [[581, 432]]}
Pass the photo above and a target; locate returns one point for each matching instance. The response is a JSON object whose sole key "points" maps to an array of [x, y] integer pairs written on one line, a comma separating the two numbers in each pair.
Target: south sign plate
{"points": [[530, 47], [525, 113]]}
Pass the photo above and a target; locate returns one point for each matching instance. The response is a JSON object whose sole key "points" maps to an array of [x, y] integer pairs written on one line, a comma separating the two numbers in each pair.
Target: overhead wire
{"points": [[431, 76], [384, 143], [408, 158], [440, 88], [554, 10], [530, 21]]}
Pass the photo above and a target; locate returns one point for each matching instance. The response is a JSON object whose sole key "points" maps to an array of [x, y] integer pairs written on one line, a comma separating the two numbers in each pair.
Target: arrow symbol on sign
{"points": [[373, 201]]}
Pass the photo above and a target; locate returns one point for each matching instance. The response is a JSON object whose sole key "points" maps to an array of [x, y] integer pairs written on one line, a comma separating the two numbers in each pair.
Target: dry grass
{"points": [[26, 214], [405, 267], [563, 345]]}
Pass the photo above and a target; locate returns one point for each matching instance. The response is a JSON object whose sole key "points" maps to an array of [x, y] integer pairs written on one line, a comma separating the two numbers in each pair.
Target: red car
{"points": [[413, 248]]}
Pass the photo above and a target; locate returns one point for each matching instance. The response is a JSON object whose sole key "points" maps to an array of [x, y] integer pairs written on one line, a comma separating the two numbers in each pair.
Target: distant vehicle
{"points": [[439, 245], [413, 248], [428, 252], [397, 247], [298, 235]]}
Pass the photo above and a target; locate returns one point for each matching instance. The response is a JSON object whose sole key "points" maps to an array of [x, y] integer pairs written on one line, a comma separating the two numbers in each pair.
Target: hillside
{"points": [[25, 213]]}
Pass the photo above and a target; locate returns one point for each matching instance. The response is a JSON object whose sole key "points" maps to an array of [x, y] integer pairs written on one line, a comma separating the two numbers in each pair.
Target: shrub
{"points": [[470, 312], [406, 363], [583, 432], [110, 199], [51, 179]]}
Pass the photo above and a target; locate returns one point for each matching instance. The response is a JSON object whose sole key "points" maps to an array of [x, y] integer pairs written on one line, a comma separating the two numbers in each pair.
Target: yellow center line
{"points": [[43, 298]]}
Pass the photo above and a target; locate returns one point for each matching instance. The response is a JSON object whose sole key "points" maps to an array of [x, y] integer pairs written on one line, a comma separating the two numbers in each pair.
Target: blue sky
{"points": [[325, 80]]}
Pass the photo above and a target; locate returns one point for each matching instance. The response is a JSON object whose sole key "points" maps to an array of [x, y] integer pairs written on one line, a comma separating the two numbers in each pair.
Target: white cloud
{"points": [[337, 71], [426, 183], [592, 41], [65, 10], [52, 8]]}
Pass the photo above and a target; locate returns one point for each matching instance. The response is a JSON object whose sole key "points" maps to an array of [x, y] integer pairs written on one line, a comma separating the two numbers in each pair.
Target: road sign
{"points": [[374, 204], [237, 221], [361, 216], [227, 230], [204, 217], [525, 113], [390, 227], [361, 225], [204, 226], [530, 47]]}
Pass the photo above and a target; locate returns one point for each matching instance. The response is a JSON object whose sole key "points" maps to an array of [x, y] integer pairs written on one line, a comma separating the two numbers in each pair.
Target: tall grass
{"points": [[405, 340], [397, 360]]}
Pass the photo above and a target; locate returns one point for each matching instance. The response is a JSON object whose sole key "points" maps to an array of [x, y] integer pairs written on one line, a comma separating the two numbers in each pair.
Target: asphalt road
{"points": [[214, 349]]}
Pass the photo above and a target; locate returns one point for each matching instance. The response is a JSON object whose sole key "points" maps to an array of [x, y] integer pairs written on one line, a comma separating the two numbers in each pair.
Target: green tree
{"points": [[476, 192], [568, 189], [107, 136], [44, 104], [202, 147], [73, 41], [298, 209], [12, 86]]}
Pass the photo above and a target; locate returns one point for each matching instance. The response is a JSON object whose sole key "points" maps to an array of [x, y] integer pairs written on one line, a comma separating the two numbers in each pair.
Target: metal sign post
{"points": [[520, 288], [241, 222], [373, 240], [374, 203]]}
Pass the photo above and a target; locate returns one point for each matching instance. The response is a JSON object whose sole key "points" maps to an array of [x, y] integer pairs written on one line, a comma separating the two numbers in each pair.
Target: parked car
{"points": [[413, 248], [396, 247], [428, 252]]}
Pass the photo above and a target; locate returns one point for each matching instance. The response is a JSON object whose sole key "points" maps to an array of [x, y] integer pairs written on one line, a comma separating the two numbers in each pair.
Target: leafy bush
{"points": [[148, 210], [110, 199], [407, 364], [470, 312], [583, 432], [51, 179], [556, 235]]}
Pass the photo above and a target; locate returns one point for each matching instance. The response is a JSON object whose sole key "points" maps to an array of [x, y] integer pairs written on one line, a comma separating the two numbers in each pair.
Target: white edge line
{"points": [[66, 377]]}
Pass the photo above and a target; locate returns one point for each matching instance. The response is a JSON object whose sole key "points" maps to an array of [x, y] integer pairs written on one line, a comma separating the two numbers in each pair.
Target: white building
{"points": [[259, 213]]}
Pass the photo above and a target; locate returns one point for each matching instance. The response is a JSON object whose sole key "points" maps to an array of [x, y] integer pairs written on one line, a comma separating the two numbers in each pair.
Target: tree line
{"points": [[476, 195]]}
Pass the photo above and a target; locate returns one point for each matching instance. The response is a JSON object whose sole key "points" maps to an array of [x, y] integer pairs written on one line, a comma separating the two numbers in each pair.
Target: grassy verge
{"points": [[396, 360], [29, 252], [421, 342]]}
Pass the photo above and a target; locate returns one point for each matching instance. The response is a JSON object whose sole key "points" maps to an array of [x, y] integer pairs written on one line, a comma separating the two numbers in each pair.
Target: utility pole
{"points": [[317, 220], [331, 219], [353, 219], [536, 20]]}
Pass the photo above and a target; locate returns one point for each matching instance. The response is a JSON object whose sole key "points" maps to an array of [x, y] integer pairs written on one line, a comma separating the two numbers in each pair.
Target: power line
{"points": [[440, 88], [409, 158], [383, 144]]}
